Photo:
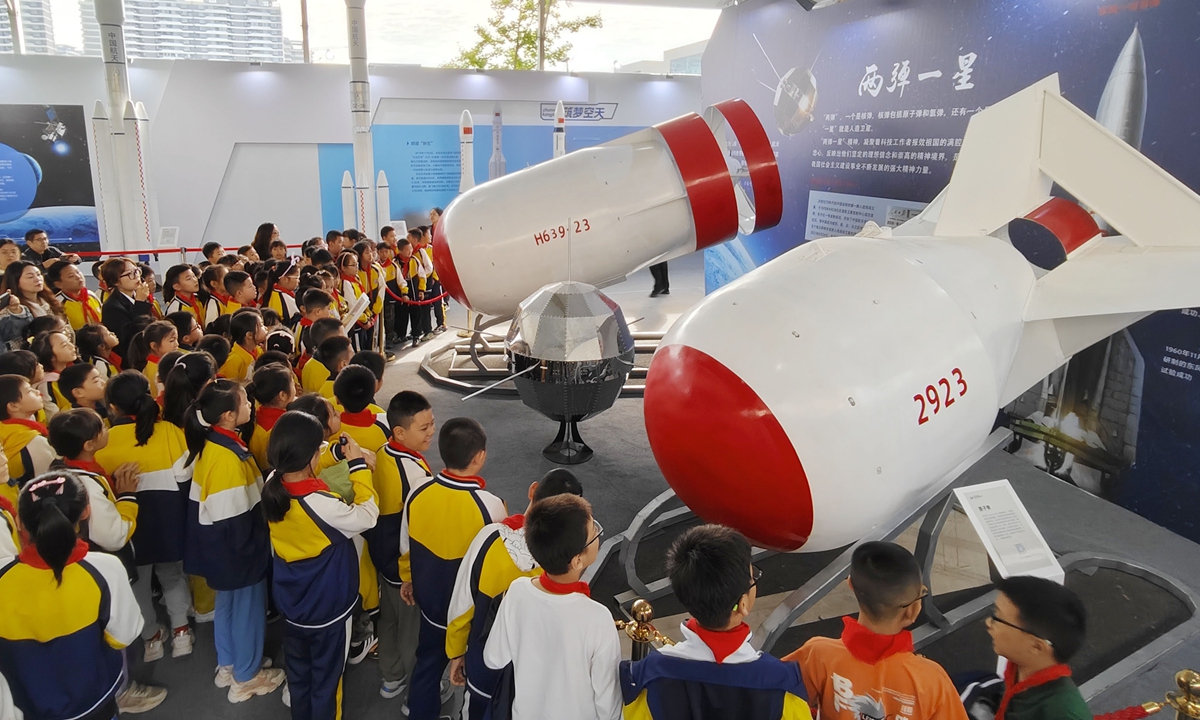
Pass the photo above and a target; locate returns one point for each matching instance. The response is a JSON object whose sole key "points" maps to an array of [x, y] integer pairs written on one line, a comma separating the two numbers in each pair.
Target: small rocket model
{"points": [[560, 130], [496, 166], [466, 152]]}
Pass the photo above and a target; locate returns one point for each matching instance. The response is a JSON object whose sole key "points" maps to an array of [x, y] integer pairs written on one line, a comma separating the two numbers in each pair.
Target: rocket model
{"points": [[1123, 103], [857, 372], [366, 217], [121, 134], [659, 193], [497, 166], [466, 152], [560, 130]]}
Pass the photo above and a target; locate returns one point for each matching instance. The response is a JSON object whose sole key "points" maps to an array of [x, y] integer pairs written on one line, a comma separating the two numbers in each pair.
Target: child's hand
{"points": [[351, 449], [370, 460], [458, 677], [406, 593], [125, 478]]}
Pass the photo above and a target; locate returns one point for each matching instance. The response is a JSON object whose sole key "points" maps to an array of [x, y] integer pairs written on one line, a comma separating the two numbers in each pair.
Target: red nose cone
{"points": [[723, 452], [443, 261]]}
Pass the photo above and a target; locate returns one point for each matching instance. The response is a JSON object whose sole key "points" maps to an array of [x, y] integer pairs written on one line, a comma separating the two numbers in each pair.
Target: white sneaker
{"points": [[181, 642], [224, 676], [390, 690], [360, 650], [266, 681], [139, 698], [154, 646], [203, 617]]}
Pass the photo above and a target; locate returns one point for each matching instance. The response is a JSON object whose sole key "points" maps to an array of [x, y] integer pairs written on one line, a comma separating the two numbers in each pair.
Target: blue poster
{"points": [[867, 102]]}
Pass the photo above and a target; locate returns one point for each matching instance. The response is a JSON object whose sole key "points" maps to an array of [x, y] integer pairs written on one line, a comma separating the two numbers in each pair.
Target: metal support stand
{"points": [[568, 447]]}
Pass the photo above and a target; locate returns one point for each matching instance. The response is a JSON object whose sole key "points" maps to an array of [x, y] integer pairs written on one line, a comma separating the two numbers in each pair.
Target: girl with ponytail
{"points": [[227, 538], [147, 348], [273, 387], [76, 603], [315, 579], [182, 385], [283, 279], [140, 436]]}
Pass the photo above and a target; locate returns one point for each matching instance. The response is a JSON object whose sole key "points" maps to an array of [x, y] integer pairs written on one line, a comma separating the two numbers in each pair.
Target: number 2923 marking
{"points": [[555, 233], [940, 395]]}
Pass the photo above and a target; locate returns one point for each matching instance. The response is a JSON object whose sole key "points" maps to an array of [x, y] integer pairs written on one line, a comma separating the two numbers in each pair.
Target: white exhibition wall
{"points": [[233, 144]]}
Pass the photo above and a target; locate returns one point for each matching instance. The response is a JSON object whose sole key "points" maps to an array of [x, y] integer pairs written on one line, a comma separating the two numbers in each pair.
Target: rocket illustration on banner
{"points": [[560, 130], [122, 143], [497, 166], [466, 152]]}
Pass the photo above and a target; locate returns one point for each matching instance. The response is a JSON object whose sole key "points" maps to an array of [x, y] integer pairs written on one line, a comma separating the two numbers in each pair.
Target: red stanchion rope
{"points": [[1137, 712], [406, 301]]}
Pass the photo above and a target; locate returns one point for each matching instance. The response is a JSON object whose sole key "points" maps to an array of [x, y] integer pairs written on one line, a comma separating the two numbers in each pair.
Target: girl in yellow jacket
{"points": [[24, 439]]}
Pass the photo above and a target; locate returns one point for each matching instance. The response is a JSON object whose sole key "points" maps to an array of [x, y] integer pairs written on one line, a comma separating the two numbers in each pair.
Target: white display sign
{"points": [[1011, 539], [168, 237]]}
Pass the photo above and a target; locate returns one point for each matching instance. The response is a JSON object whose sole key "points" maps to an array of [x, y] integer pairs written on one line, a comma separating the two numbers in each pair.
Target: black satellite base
{"points": [[568, 447]]}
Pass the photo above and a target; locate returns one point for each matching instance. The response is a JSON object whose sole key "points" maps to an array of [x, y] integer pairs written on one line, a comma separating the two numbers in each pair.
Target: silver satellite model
{"points": [[570, 351]]}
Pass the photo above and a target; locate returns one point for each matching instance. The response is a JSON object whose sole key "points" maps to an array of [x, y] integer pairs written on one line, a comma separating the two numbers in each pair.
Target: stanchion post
{"points": [[641, 630]]}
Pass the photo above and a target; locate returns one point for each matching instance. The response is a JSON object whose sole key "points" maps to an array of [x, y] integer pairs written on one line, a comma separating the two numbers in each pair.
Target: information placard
{"points": [[1011, 539]]}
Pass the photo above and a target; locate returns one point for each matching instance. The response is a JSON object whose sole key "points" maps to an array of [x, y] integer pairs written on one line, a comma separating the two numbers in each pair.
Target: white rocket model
{"points": [[560, 131], [1122, 106], [121, 134], [360, 112], [466, 152], [860, 371], [497, 165]]}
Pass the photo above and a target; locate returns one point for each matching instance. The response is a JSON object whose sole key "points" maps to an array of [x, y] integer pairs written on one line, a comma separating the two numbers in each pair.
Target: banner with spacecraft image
{"points": [[46, 174], [867, 103]]}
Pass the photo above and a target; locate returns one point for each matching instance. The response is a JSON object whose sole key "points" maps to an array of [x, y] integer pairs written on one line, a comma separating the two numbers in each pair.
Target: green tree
{"points": [[509, 40]]}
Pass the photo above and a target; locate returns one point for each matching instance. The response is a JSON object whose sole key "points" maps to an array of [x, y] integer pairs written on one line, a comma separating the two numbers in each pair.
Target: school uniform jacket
{"points": [[151, 371], [60, 645], [163, 484], [372, 281], [314, 375], [240, 363], [441, 518], [50, 389], [497, 556], [227, 534], [10, 543], [84, 309], [352, 290], [688, 681], [284, 302], [113, 518], [29, 454], [398, 471], [366, 429], [217, 306], [189, 304], [264, 422], [108, 369], [315, 580]]}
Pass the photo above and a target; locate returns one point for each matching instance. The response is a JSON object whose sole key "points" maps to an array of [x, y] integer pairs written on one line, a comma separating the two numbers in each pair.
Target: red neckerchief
{"points": [[397, 446], [230, 434], [515, 522], [387, 264], [363, 418], [353, 281], [305, 322], [722, 643], [7, 506], [304, 358], [564, 588], [29, 555], [473, 479], [266, 417], [89, 313], [90, 465], [1041, 677], [33, 424], [155, 308], [114, 360], [285, 291], [300, 488], [222, 298], [192, 302], [153, 358], [870, 647]]}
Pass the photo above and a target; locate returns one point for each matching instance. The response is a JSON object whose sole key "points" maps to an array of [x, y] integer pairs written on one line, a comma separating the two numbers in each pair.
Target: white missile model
{"points": [[466, 152], [497, 165], [659, 193], [812, 398], [1122, 106], [121, 133], [360, 113], [560, 131]]}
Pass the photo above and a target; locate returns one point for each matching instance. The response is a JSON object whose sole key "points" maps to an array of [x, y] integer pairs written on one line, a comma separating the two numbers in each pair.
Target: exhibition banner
{"points": [[867, 102], [46, 174]]}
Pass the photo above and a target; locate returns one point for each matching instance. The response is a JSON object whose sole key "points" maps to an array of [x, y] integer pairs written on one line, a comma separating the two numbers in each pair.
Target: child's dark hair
{"points": [[209, 248], [172, 277], [129, 393], [556, 530], [228, 260], [885, 576], [73, 377], [277, 270], [19, 362], [234, 280], [332, 350], [50, 506], [314, 405], [404, 406], [183, 383], [139, 345], [245, 322], [1048, 611], [10, 392], [277, 244], [216, 399], [216, 346], [320, 331], [166, 364], [46, 323], [70, 430], [371, 360], [315, 299], [270, 318], [322, 257], [295, 439], [219, 326], [44, 350], [280, 342], [272, 357], [213, 275], [709, 567], [557, 482], [269, 382], [89, 340], [354, 387], [460, 440], [182, 320]]}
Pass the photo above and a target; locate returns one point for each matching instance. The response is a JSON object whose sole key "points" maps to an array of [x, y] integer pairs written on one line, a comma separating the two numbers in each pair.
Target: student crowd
{"points": [[225, 445]]}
